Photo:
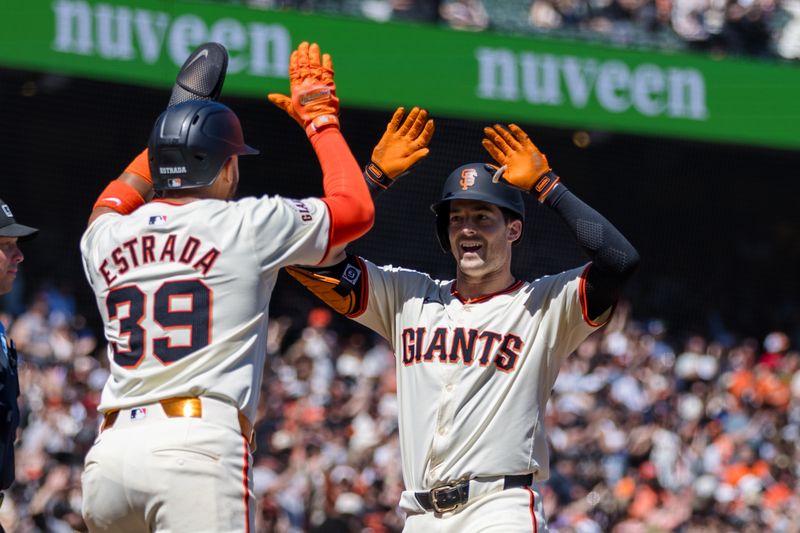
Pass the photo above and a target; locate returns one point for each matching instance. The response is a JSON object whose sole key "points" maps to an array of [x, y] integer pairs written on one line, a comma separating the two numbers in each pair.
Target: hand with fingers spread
{"points": [[285, 103], [522, 164], [403, 144], [313, 103]]}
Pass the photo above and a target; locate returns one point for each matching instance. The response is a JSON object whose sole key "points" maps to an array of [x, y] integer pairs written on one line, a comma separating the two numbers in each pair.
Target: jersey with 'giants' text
{"points": [[474, 376]]}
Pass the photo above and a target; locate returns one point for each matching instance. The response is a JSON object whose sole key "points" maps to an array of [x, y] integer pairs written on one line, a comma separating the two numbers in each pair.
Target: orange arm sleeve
{"points": [[346, 194], [141, 167]]}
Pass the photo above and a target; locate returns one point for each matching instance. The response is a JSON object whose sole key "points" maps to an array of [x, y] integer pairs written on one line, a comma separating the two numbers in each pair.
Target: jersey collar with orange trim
{"points": [[511, 288]]}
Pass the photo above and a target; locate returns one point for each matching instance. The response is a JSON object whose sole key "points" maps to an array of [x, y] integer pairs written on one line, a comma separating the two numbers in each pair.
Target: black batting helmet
{"points": [[190, 143], [473, 181]]}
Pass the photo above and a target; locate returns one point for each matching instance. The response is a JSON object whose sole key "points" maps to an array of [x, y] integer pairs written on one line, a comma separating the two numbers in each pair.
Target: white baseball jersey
{"points": [[474, 377], [184, 292]]}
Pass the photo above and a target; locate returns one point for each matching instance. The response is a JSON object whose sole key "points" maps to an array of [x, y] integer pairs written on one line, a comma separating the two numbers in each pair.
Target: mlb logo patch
{"points": [[7, 211], [157, 220], [138, 413]]}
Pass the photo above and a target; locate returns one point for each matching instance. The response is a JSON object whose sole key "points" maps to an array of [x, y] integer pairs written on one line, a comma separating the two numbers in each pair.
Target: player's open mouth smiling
{"points": [[470, 246]]}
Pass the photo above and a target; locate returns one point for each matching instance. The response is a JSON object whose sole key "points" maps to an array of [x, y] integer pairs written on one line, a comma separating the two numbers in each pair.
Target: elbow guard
{"points": [[342, 286]]}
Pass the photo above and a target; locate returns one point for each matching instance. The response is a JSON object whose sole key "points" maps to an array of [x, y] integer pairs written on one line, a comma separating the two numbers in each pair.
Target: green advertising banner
{"points": [[479, 75]]}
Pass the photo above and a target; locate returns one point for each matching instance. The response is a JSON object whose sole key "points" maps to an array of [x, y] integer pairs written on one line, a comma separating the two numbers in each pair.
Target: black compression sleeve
{"points": [[614, 259]]}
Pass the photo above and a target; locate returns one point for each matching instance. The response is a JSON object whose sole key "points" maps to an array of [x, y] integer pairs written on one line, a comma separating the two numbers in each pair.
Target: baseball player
{"points": [[11, 233], [477, 356], [183, 285]]}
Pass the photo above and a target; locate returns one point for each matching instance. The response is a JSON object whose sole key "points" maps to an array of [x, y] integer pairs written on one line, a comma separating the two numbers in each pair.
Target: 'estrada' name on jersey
{"points": [[147, 249], [460, 345]]}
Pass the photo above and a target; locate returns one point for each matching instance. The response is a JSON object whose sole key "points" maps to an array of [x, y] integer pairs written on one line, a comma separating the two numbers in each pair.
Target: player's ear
{"points": [[514, 230], [229, 171]]}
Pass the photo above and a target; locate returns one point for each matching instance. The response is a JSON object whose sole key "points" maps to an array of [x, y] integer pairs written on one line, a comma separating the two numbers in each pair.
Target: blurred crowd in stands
{"points": [[649, 432], [760, 28]]}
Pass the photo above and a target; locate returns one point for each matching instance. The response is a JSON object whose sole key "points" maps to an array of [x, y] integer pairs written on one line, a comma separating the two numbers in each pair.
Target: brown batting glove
{"points": [[522, 164], [313, 103], [403, 144]]}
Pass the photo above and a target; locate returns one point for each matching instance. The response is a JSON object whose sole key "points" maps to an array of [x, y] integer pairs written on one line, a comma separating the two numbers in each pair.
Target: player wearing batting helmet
{"points": [[477, 356], [183, 285]]}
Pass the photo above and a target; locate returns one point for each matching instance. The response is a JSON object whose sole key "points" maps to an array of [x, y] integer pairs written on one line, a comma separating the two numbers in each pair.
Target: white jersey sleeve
{"points": [[389, 290], [287, 231], [560, 301]]}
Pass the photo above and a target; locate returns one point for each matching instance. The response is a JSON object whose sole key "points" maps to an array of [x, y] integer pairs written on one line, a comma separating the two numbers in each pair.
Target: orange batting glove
{"points": [[285, 103], [522, 164], [403, 144], [313, 103]]}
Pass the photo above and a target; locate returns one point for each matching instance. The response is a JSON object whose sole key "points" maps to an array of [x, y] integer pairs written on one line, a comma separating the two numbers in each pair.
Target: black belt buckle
{"points": [[451, 496]]}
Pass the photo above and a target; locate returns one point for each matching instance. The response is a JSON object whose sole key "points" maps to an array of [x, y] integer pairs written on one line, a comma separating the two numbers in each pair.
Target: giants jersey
{"points": [[184, 293], [474, 377]]}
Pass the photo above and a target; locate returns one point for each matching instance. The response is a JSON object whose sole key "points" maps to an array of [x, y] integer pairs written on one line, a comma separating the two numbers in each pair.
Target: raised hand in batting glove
{"points": [[313, 103], [522, 164], [403, 144]]}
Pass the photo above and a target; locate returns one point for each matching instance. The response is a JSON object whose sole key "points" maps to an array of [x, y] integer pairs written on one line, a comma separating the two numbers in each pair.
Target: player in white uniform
{"points": [[477, 356], [183, 285]]}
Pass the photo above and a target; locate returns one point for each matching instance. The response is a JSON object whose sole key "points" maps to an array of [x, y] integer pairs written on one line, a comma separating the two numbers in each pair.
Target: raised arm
{"points": [[524, 166], [130, 190], [314, 105], [402, 145]]}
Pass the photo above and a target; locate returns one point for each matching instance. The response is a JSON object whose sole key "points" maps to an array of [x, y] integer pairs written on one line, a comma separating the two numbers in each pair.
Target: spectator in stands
{"points": [[465, 15], [641, 440], [415, 10]]}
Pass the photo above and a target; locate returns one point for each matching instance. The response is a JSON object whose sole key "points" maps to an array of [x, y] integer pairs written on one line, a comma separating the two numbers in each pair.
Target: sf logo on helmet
{"points": [[468, 176]]}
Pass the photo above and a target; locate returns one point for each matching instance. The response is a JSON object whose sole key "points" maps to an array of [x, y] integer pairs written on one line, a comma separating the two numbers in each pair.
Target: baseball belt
{"points": [[455, 494], [190, 407]]}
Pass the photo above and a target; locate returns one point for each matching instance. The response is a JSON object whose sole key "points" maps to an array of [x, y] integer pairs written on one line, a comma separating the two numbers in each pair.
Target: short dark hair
{"points": [[509, 215]]}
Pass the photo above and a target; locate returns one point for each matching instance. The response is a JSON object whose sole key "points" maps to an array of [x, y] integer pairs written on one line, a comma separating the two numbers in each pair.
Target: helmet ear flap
{"points": [[442, 211]]}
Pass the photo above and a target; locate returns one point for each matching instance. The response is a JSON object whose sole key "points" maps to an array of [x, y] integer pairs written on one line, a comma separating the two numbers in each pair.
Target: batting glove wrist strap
{"points": [[377, 180], [320, 123], [544, 185]]}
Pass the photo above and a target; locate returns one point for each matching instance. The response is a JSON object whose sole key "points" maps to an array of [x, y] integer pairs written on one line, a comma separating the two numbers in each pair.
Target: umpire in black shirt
{"points": [[11, 233]]}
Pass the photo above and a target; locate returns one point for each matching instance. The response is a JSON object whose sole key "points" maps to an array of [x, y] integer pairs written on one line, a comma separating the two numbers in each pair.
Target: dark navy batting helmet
{"points": [[473, 181], [190, 143]]}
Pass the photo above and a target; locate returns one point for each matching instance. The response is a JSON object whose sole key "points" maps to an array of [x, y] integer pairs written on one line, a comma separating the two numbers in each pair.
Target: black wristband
{"points": [[377, 180], [543, 186]]}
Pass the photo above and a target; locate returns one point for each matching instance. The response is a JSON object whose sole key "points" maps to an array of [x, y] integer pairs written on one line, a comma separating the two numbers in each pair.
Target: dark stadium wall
{"points": [[717, 226]]}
